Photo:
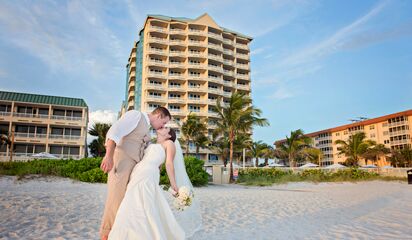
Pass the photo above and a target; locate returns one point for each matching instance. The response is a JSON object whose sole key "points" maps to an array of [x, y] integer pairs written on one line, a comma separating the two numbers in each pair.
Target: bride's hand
{"points": [[176, 191]]}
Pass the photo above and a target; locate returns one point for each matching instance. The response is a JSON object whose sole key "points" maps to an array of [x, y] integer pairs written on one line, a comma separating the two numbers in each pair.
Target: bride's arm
{"points": [[170, 169]]}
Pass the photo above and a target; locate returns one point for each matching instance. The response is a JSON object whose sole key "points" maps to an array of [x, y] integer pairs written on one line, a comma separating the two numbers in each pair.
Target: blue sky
{"points": [[315, 64]]}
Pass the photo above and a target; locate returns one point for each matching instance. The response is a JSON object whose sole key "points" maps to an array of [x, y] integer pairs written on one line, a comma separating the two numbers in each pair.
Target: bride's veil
{"points": [[190, 219]]}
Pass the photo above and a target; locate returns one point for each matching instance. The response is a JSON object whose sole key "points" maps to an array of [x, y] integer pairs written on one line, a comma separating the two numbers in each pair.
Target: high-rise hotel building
{"points": [[185, 65], [394, 131], [39, 123]]}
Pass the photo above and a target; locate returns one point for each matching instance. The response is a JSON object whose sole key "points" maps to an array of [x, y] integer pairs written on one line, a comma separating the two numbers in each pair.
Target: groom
{"points": [[125, 144]]}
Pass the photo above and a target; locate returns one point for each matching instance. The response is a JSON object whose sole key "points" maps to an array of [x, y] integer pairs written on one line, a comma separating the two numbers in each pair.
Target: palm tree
{"points": [[192, 128], [238, 116], [294, 145], [312, 155], [201, 141], [396, 158], [4, 140], [256, 151], [374, 152], [220, 143], [407, 155], [354, 148], [242, 141], [267, 153], [99, 130]]}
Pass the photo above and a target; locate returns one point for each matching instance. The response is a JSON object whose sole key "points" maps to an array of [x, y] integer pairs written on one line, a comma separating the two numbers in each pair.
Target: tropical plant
{"points": [[354, 148], [311, 154], [293, 146], [97, 147], [268, 153], [374, 152], [256, 151], [191, 129], [235, 117]]}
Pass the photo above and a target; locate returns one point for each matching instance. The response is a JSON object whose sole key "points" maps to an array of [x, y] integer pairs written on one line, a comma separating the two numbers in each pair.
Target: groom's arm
{"points": [[107, 163]]}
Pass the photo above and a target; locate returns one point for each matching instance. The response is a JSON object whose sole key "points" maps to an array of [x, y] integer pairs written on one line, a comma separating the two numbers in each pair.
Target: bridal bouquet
{"points": [[183, 199]]}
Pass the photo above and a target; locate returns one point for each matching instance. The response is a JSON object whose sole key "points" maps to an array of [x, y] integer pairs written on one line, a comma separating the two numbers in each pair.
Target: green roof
{"points": [[183, 19], [43, 99]]}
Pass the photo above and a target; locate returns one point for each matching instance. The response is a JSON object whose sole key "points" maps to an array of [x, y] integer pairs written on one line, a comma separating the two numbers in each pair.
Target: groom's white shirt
{"points": [[125, 125]]}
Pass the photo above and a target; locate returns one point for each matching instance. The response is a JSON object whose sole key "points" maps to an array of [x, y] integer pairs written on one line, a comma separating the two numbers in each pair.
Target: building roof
{"points": [[360, 123], [43, 99], [189, 20]]}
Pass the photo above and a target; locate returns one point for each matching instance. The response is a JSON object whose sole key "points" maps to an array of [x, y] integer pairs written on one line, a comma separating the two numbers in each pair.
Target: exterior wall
{"points": [[185, 66], [394, 131], [48, 139]]}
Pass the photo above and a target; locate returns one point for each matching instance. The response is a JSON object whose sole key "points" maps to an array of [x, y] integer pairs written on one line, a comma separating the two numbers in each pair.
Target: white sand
{"points": [[55, 208]]}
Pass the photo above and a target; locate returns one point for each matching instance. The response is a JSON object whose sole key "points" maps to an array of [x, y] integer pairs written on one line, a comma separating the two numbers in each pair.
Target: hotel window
{"points": [[371, 127], [5, 108], [385, 133], [43, 111], [345, 132], [384, 124], [27, 110], [194, 108], [372, 135], [337, 134], [155, 94], [194, 96], [172, 95]]}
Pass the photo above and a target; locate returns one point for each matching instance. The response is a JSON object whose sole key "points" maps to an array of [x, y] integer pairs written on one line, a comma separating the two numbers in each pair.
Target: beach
{"points": [[59, 208]]}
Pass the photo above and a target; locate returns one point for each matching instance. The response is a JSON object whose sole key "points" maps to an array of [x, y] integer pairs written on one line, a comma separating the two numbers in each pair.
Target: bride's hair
{"points": [[172, 134]]}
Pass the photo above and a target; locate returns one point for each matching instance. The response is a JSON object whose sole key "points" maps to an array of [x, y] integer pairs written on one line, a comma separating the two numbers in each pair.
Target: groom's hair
{"points": [[172, 134], [162, 111]]}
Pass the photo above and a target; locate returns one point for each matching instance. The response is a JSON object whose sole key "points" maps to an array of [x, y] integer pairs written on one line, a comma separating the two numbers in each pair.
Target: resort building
{"points": [[394, 131], [38, 123], [185, 65]]}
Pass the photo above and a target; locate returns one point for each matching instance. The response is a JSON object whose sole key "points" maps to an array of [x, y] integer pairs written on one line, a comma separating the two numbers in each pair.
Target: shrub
{"points": [[194, 168]]}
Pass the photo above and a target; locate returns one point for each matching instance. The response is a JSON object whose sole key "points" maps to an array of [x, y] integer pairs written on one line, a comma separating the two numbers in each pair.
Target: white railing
{"points": [[227, 62], [215, 57], [196, 43], [158, 40], [228, 41], [30, 135], [180, 42], [213, 90], [177, 30], [66, 118], [244, 66], [216, 47], [218, 69], [156, 86], [176, 100], [402, 141], [27, 115], [5, 113], [394, 124], [400, 132], [227, 94], [242, 46], [241, 55], [244, 87], [66, 137], [160, 29], [216, 36], [228, 52], [158, 63]]}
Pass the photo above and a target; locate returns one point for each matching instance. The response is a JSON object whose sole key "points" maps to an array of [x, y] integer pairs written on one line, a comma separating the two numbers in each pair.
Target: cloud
{"points": [[333, 43], [282, 93], [257, 51], [102, 116]]}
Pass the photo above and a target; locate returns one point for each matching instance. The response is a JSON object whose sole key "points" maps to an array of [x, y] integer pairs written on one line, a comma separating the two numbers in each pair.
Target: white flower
{"points": [[184, 198]]}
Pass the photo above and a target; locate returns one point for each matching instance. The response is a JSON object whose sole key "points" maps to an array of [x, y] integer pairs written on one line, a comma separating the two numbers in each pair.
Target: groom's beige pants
{"points": [[117, 181]]}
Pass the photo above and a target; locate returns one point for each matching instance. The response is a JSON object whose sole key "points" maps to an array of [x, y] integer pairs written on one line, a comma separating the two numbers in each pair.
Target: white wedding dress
{"points": [[144, 212]]}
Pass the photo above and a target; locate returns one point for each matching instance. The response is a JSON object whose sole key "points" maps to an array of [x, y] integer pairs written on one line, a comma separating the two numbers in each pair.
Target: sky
{"points": [[314, 64]]}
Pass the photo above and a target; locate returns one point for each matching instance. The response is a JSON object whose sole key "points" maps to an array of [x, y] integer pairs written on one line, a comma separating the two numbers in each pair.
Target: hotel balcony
{"points": [[177, 31], [158, 29], [156, 75], [178, 112], [227, 94], [197, 54], [242, 66], [215, 57], [196, 101], [157, 63], [20, 135], [395, 124], [243, 76], [65, 137], [176, 100], [197, 43], [229, 83], [215, 47], [197, 32], [401, 132], [215, 91], [177, 76], [156, 99], [196, 89], [197, 66], [177, 53], [177, 42], [156, 51], [133, 56], [132, 75], [215, 80], [216, 69], [173, 88], [228, 52], [242, 56], [229, 63], [215, 36], [242, 46], [228, 41], [402, 141], [229, 73], [177, 65], [158, 40], [160, 87], [212, 114], [243, 87]]}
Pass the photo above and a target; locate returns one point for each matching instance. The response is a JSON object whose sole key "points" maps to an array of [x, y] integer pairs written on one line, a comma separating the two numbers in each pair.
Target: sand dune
{"points": [[56, 208]]}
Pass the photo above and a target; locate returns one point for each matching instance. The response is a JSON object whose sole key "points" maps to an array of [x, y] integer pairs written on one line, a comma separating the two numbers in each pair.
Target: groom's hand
{"points": [[107, 164]]}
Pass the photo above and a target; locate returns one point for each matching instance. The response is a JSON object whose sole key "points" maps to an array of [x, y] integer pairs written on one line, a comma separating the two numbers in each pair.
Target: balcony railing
{"points": [[29, 135], [402, 141], [158, 40], [5, 113], [196, 43], [227, 94], [215, 57], [243, 87], [158, 51], [65, 137], [227, 62], [228, 52], [27, 115], [196, 54], [176, 100], [215, 36], [394, 124], [216, 47], [215, 79], [243, 66], [214, 68], [242, 46], [156, 86], [228, 41], [159, 29], [243, 56], [66, 118], [177, 42], [177, 30], [401, 132], [158, 63], [177, 53], [242, 76], [214, 90]]}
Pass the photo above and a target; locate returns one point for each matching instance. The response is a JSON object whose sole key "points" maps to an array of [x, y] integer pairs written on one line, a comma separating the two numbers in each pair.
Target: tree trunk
{"points": [[257, 162], [187, 148], [231, 139], [197, 152], [266, 161]]}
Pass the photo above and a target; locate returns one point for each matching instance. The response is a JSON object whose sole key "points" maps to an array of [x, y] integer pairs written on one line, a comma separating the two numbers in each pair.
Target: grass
{"points": [[268, 177]]}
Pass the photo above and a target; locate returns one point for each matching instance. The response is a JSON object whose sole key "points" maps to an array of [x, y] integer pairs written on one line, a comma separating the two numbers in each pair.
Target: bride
{"points": [[144, 212]]}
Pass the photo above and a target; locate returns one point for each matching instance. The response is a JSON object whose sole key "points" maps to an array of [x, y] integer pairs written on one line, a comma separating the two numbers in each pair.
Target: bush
{"points": [[194, 168]]}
